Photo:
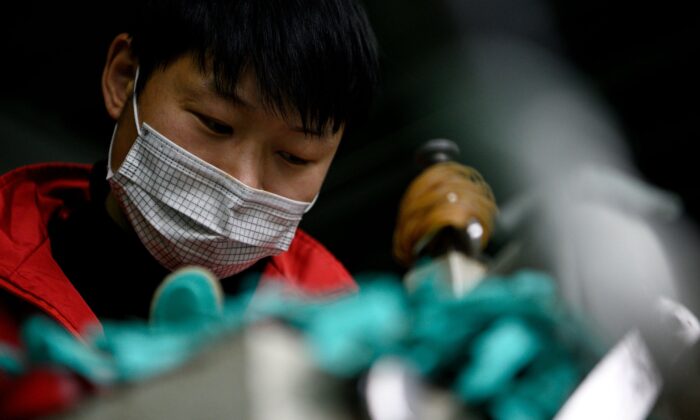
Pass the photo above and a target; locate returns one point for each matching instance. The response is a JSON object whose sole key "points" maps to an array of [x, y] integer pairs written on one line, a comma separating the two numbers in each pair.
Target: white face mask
{"points": [[188, 212]]}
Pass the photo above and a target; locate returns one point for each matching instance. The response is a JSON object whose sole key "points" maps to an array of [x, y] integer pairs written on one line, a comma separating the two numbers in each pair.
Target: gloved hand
{"points": [[186, 313]]}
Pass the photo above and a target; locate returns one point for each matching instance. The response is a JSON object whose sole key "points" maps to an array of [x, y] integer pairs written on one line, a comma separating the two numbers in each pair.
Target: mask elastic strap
{"points": [[311, 204], [135, 105], [110, 174]]}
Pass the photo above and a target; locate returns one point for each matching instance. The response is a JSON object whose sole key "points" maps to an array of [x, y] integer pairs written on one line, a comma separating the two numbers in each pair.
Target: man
{"points": [[228, 114]]}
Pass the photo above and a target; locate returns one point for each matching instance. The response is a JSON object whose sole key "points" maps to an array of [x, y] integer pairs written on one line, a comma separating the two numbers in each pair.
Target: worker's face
{"points": [[259, 148]]}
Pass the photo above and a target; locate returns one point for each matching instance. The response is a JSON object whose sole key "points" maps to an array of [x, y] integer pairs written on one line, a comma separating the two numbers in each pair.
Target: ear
{"points": [[118, 75]]}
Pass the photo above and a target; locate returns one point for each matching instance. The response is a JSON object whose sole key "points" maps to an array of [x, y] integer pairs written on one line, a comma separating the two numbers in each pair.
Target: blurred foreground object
{"points": [[574, 205], [506, 347]]}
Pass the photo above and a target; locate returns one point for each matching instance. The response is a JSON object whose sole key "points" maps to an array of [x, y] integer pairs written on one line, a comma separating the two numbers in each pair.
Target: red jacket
{"points": [[28, 199]]}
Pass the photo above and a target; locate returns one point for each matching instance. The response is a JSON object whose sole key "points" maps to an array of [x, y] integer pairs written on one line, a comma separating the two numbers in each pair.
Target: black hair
{"points": [[314, 57]]}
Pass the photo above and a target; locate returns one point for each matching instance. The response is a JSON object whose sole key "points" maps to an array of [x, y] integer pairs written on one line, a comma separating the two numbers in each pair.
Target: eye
{"points": [[294, 160], [215, 126]]}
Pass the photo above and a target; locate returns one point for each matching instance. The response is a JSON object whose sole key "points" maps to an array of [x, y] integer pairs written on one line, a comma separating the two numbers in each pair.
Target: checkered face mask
{"points": [[188, 212]]}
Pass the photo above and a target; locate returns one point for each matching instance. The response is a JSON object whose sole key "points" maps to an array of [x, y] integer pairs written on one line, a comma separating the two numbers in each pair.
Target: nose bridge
{"points": [[246, 163]]}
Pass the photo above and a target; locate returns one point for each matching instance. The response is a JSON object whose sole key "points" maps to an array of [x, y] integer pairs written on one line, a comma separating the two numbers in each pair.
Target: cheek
{"points": [[297, 184], [181, 127], [312, 181], [163, 115]]}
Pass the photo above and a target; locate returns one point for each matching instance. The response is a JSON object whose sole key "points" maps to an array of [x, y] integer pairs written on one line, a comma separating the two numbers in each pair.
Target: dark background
{"points": [[640, 59]]}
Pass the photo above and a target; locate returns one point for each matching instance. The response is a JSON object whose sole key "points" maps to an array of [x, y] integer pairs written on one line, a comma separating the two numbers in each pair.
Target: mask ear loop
{"points": [[135, 105], [110, 173], [311, 204]]}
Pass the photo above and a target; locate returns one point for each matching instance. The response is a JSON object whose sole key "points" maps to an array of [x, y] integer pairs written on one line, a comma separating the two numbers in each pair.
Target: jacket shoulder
{"points": [[309, 267], [28, 197], [47, 175]]}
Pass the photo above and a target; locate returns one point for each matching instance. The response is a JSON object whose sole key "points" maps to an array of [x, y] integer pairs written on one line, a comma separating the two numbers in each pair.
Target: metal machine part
{"points": [[455, 253], [393, 391]]}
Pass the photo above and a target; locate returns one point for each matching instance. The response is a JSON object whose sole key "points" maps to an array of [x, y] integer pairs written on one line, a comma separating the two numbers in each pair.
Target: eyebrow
{"points": [[229, 96], [314, 133], [238, 100]]}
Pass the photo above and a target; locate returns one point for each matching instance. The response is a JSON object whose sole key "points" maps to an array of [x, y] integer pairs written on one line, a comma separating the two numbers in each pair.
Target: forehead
{"points": [[189, 78]]}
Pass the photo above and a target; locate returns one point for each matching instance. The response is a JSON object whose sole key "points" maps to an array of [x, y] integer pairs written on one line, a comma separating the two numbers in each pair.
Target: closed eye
{"points": [[215, 126], [294, 160]]}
